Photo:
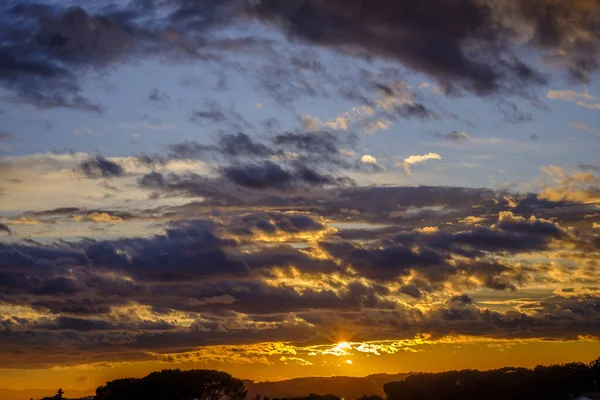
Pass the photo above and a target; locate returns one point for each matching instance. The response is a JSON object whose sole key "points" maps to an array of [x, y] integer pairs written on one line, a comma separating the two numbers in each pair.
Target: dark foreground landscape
{"points": [[553, 382]]}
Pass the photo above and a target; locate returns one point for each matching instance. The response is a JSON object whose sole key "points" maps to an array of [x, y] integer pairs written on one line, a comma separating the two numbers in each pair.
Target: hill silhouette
{"points": [[348, 388]]}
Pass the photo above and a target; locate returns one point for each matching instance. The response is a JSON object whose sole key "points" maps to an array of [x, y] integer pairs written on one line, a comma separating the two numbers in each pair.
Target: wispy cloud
{"points": [[417, 159], [569, 95], [584, 127], [581, 99], [87, 131], [594, 106]]}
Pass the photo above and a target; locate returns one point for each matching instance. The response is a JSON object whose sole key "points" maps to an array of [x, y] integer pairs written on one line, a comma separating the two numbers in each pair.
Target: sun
{"points": [[344, 346]]}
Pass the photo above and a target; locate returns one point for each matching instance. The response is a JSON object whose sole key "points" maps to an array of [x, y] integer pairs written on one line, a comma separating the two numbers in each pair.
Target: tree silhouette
{"points": [[175, 385], [58, 396]]}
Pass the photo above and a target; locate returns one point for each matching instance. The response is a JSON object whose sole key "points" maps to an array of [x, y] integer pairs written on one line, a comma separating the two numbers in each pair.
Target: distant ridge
{"points": [[349, 388]]}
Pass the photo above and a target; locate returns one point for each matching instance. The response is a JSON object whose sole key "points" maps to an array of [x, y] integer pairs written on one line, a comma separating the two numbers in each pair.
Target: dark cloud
{"points": [[77, 324], [512, 113], [569, 26], [287, 256], [320, 143], [151, 160], [5, 228], [419, 36], [45, 46], [589, 167], [6, 136], [286, 83], [242, 145], [454, 136], [56, 211], [534, 226], [275, 222], [48, 48], [100, 167], [172, 257], [214, 191], [316, 147], [240, 288], [158, 96], [412, 291], [287, 161], [417, 110], [229, 146], [214, 113], [271, 175], [387, 263], [189, 149], [92, 325]]}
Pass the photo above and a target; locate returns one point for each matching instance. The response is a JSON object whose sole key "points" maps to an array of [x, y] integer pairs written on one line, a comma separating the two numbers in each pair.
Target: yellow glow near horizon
{"points": [[344, 346]]}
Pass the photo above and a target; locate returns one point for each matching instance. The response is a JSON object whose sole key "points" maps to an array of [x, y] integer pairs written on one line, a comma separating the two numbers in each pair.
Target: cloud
{"points": [[4, 228], [283, 271], [88, 131], [6, 136], [45, 64], [579, 98], [377, 125], [571, 186], [158, 96], [393, 101], [472, 220], [230, 146], [368, 159], [270, 175], [214, 113], [405, 31], [313, 124], [595, 106], [99, 217], [292, 161], [42, 65], [416, 159], [99, 167], [584, 127], [319, 147], [25, 221], [455, 136], [341, 123], [569, 95]]}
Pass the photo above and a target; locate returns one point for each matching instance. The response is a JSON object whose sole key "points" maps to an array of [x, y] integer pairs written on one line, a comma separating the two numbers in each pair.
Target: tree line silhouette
{"points": [[553, 382]]}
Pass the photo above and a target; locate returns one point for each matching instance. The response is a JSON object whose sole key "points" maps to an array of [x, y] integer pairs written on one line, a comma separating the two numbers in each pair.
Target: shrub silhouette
{"points": [[175, 385]]}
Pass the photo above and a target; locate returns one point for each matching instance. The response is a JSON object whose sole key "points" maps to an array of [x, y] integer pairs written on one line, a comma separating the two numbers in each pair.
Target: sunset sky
{"points": [[286, 188]]}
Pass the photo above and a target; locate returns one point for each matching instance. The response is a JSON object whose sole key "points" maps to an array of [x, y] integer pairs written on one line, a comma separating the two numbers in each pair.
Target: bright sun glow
{"points": [[344, 346]]}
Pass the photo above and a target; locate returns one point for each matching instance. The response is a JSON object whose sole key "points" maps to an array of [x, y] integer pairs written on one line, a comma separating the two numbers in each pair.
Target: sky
{"points": [[287, 188]]}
